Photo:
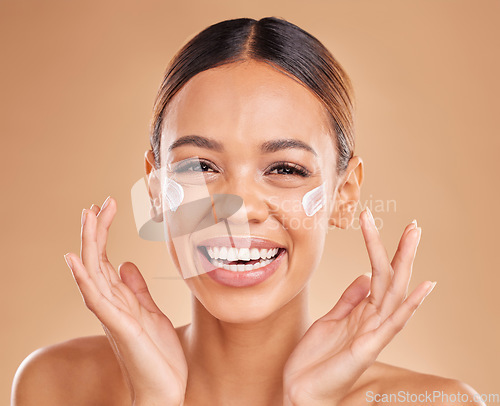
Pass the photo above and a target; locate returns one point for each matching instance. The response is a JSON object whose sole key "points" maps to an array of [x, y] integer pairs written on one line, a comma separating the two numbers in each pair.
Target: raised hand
{"points": [[342, 344], [142, 337]]}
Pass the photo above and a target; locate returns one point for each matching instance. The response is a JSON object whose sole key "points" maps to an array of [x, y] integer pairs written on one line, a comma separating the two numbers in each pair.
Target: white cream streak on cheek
{"points": [[314, 200], [174, 194]]}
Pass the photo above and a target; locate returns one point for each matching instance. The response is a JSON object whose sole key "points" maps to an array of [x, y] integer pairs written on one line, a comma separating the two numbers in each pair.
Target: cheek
{"points": [[302, 214], [306, 233], [308, 239]]}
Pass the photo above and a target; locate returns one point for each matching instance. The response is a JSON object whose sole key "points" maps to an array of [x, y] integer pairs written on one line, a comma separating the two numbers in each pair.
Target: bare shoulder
{"points": [[80, 371], [391, 385]]}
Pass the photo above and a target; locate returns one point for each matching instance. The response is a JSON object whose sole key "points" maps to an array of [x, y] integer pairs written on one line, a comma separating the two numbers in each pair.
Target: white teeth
{"points": [[242, 254], [232, 254], [254, 253], [241, 267]]}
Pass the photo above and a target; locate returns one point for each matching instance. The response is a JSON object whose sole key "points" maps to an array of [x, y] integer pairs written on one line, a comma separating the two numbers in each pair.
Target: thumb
{"points": [[131, 276]]}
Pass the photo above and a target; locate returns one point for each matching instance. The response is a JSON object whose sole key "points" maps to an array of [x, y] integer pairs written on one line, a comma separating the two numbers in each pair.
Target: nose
{"points": [[255, 207]]}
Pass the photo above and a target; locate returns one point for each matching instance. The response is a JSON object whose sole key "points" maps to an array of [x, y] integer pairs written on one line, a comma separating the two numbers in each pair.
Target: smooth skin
{"points": [[250, 346]]}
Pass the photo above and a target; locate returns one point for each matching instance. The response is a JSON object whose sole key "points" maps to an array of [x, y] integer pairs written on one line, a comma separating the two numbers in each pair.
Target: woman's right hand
{"points": [[142, 337]]}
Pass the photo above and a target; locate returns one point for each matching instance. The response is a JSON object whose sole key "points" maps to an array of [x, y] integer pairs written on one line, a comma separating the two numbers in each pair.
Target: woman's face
{"points": [[244, 107]]}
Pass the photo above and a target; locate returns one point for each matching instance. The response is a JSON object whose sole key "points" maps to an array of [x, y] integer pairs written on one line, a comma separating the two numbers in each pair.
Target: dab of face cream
{"points": [[174, 194], [314, 200]]}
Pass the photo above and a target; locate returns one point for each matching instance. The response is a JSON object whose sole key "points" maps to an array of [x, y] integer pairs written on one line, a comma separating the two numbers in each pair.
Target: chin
{"points": [[248, 306], [242, 314]]}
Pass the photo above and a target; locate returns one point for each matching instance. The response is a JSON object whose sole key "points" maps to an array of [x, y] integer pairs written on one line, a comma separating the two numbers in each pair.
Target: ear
{"points": [[347, 195], [154, 186]]}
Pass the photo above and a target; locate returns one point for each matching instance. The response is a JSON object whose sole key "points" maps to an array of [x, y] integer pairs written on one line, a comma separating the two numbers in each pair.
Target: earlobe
{"points": [[349, 191]]}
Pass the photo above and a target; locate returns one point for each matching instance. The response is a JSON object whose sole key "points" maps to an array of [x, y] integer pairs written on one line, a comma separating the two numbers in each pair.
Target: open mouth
{"points": [[240, 259]]}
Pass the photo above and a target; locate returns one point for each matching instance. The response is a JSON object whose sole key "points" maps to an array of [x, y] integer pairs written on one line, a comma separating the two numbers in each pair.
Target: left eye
{"points": [[286, 168]]}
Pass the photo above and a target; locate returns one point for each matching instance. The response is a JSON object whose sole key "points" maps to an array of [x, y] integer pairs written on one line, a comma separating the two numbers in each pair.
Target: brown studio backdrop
{"points": [[78, 83]]}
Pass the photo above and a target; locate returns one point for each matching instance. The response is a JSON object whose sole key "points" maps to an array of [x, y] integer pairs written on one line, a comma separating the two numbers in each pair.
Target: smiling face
{"points": [[263, 136]]}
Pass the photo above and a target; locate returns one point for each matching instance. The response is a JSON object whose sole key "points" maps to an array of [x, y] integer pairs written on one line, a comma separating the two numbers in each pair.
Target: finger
{"points": [[399, 285], [369, 345], [95, 208], [131, 276], [381, 268], [351, 297], [89, 255], [104, 219], [396, 259], [120, 296], [105, 310], [116, 285]]}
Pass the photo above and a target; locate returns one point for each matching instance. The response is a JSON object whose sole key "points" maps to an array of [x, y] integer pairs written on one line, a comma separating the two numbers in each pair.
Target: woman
{"points": [[260, 110]]}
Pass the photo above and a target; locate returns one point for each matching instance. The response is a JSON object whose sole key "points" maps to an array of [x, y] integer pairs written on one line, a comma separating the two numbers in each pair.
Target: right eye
{"points": [[194, 172], [193, 165]]}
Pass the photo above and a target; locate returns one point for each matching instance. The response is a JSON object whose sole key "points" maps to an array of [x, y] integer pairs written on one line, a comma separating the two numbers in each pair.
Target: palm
{"points": [[143, 338], [341, 345], [156, 345]]}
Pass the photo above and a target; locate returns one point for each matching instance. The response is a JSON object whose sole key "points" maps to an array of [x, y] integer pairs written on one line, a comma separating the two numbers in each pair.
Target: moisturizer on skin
{"points": [[314, 200], [174, 194]]}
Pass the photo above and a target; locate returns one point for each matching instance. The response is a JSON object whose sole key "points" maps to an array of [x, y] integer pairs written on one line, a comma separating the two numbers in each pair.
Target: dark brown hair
{"points": [[272, 40]]}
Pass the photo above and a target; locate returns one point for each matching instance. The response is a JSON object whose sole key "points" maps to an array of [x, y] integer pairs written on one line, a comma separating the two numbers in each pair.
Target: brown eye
{"points": [[194, 166], [287, 168]]}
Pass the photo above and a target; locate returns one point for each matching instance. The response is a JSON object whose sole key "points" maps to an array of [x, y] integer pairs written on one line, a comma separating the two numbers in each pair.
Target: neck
{"points": [[243, 361]]}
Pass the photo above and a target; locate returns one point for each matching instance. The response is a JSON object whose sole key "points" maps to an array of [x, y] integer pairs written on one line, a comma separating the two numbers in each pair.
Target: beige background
{"points": [[78, 80]]}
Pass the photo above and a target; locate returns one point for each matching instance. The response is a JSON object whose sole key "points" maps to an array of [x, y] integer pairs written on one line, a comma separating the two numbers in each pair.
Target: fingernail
{"points": [[368, 274], [370, 215], [84, 216], [430, 288], [105, 203], [68, 261], [91, 207], [414, 221], [419, 229]]}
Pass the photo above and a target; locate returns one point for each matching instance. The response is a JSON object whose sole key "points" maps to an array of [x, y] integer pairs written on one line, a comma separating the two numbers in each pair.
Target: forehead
{"points": [[248, 101]]}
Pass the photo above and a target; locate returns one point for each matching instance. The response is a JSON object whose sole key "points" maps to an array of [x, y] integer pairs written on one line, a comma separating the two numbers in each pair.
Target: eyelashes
{"points": [[282, 168], [290, 169]]}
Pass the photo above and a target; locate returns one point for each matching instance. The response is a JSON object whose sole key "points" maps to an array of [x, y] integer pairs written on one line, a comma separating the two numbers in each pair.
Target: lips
{"points": [[218, 270]]}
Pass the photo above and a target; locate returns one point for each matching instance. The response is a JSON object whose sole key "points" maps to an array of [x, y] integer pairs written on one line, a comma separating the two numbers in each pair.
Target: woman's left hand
{"points": [[342, 344]]}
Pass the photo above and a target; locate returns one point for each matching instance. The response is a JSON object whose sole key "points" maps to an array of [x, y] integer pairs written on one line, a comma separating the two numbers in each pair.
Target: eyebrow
{"points": [[266, 147]]}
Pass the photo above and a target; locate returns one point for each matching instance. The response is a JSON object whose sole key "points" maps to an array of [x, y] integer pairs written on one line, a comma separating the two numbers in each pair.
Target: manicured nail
{"points": [[370, 215], [368, 274], [414, 221], [419, 229], [84, 216], [105, 203], [430, 288], [68, 261]]}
